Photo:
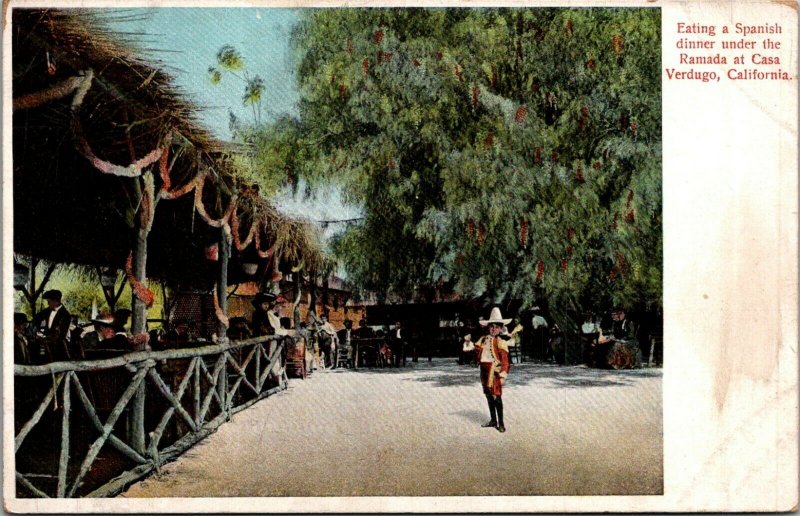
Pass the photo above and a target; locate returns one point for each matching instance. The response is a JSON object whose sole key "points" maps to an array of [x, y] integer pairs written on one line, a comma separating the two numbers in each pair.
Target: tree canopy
{"points": [[514, 152]]}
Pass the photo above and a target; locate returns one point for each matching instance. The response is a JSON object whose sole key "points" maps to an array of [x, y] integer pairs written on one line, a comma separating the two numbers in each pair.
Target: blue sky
{"points": [[190, 39]]}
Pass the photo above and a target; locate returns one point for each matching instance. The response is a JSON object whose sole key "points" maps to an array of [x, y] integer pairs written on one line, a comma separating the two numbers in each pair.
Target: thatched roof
{"points": [[66, 209]]}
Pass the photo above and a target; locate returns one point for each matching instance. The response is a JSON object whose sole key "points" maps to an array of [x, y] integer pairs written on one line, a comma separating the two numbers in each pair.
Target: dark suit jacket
{"points": [[55, 337], [261, 325], [342, 334], [60, 325]]}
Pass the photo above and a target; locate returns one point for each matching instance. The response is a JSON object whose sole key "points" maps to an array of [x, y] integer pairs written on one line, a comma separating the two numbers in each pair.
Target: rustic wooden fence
{"points": [[139, 410]]}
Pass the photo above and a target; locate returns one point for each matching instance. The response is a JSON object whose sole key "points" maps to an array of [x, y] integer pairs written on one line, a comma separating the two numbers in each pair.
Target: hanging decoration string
{"points": [[201, 210], [163, 168], [183, 190], [165, 171], [132, 170], [241, 245], [148, 208], [140, 290], [219, 312], [54, 92]]}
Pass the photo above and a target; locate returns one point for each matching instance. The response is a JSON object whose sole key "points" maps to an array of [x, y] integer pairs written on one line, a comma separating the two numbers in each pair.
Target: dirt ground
{"points": [[415, 431]]}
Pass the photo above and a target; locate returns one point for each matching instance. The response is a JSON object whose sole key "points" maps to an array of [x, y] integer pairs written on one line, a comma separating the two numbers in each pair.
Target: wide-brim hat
{"points": [[104, 320], [263, 297], [495, 317]]}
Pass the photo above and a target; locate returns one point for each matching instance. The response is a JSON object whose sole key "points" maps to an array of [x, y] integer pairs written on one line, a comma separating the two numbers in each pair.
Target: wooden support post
{"points": [[257, 349], [196, 391], [222, 386], [136, 433], [63, 460], [222, 284], [139, 316]]}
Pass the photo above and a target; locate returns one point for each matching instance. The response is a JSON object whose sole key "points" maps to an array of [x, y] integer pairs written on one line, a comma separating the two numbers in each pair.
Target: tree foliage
{"points": [[516, 152], [230, 60]]}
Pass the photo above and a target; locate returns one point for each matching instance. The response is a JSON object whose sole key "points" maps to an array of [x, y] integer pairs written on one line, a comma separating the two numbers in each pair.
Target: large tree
{"points": [[516, 152]]}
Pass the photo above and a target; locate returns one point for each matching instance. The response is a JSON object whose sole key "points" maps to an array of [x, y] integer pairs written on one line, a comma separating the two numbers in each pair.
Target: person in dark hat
{"points": [[121, 317], [22, 354], [263, 302], [52, 327]]}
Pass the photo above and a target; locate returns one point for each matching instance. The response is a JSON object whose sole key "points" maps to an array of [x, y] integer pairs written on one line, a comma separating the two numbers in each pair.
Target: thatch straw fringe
{"points": [[102, 69]]}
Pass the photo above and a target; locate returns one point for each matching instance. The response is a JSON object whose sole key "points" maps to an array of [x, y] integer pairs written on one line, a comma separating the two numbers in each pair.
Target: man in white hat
{"points": [[492, 354]]}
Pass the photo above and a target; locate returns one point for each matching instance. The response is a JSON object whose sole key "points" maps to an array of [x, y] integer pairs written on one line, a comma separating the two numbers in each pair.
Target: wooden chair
{"points": [[344, 356], [514, 351]]}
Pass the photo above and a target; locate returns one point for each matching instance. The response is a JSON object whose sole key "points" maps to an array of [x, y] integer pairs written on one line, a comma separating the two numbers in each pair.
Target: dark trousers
{"points": [[495, 408]]}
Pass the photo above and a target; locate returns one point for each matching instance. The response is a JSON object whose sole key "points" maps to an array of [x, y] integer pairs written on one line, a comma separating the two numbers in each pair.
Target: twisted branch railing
{"points": [[213, 401]]}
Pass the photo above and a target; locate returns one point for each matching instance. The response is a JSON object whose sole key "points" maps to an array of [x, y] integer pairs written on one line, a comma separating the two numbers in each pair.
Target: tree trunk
{"points": [[312, 302]]}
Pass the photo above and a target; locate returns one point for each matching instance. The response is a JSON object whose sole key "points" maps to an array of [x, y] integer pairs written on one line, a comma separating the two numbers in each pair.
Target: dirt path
{"points": [[416, 431]]}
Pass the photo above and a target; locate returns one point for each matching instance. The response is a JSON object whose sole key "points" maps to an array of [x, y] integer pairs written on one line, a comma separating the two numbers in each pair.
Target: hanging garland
{"points": [[234, 229], [219, 312], [54, 92], [132, 170], [140, 290], [148, 209], [185, 189], [166, 180], [164, 170], [201, 209]]}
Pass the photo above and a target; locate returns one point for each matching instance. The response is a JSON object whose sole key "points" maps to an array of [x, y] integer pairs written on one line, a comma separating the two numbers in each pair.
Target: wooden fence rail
{"points": [[223, 379]]}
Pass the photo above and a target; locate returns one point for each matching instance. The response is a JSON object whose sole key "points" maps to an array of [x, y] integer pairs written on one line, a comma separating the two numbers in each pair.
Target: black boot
{"points": [[498, 404], [493, 421]]}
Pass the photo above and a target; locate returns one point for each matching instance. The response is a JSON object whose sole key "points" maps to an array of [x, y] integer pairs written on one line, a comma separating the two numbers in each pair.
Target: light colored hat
{"points": [[104, 320], [495, 317]]}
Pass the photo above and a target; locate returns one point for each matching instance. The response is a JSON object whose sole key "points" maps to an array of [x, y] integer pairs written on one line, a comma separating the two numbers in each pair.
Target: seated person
{"points": [[364, 331], [239, 329], [385, 353], [598, 355], [105, 337], [178, 336], [121, 317], [467, 355], [22, 352]]}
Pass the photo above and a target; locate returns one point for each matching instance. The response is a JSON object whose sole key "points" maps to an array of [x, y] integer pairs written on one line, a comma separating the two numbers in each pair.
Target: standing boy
{"points": [[492, 352]]}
